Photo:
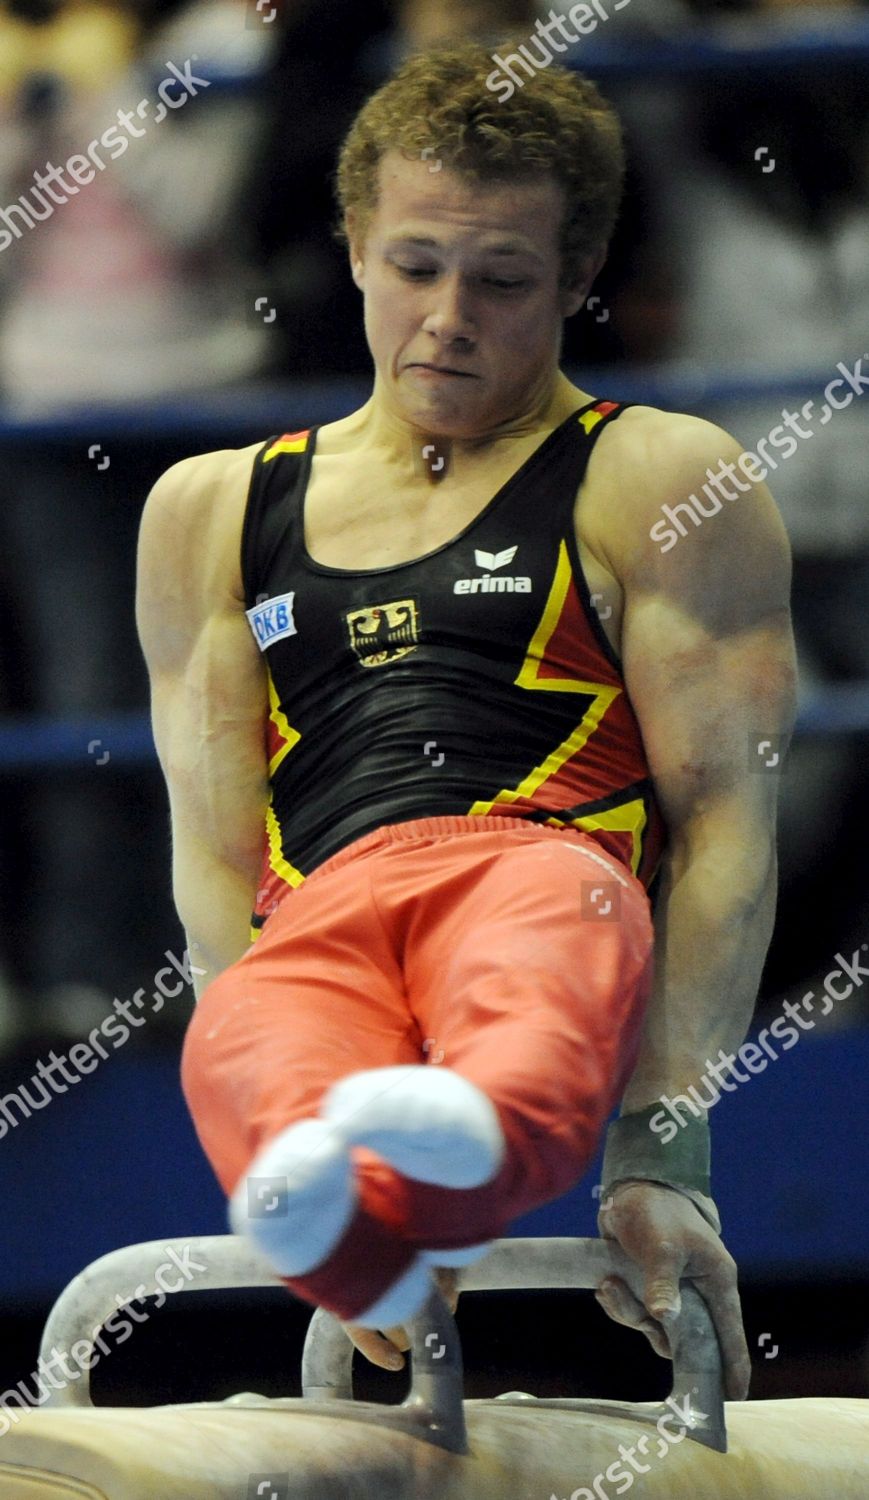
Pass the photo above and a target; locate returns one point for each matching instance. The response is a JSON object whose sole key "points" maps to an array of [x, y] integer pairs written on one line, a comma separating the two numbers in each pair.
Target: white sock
{"points": [[304, 1199], [428, 1122]]}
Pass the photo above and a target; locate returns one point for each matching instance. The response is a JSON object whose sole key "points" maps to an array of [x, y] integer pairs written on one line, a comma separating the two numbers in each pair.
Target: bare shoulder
{"points": [[189, 553], [649, 456], [195, 512], [650, 464]]}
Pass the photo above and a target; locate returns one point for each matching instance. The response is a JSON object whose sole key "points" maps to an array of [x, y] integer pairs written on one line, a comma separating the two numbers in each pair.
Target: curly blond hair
{"points": [[438, 103]]}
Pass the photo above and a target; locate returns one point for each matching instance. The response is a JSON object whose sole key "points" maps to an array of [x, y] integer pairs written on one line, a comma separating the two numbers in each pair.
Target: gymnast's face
{"points": [[464, 278]]}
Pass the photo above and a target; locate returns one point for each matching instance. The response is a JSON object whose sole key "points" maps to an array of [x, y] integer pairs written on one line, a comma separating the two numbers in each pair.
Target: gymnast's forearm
{"points": [[214, 901], [713, 926]]}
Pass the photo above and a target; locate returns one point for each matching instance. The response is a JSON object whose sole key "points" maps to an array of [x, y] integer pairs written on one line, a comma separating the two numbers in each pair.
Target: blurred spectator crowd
{"points": [[145, 285]]}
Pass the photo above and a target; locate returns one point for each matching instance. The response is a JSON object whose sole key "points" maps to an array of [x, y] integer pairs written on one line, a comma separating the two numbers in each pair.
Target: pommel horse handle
{"points": [[434, 1408], [531, 1265]]}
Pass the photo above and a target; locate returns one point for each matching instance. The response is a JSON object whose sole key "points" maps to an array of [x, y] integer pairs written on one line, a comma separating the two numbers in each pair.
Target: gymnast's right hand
{"points": [[666, 1236], [387, 1348]]}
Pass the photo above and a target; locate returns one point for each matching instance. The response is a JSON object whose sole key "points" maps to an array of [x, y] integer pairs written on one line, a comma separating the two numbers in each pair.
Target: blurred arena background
{"points": [[190, 296]]}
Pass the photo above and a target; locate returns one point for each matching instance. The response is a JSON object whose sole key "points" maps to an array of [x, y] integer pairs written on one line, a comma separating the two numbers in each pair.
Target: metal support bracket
{"points": [[434, 1409]]}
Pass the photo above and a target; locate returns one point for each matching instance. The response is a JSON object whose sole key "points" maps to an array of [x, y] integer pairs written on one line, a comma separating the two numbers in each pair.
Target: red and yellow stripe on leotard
{"points": [[290, 442], [280, 739], [630, 817]]}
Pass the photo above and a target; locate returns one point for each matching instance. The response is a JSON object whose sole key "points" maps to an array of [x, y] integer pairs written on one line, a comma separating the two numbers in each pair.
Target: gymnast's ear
{"points": [[356, 247], [573, 295]]}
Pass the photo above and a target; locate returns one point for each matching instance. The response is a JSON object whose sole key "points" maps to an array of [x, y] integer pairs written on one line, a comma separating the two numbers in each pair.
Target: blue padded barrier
{"points": [[258, 410], [31, 743]]}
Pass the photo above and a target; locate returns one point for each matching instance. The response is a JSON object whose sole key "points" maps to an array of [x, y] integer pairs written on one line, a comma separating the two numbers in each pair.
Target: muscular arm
{"points": [[710, 669], [709, 665], [208, 698]]}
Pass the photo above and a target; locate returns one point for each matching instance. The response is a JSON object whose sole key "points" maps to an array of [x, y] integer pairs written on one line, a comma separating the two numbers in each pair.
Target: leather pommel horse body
{"points": [[435, 1446]]}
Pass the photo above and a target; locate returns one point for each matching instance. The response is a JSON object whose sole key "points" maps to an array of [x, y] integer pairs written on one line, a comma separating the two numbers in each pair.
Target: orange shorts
{"points": [[515, 953]]}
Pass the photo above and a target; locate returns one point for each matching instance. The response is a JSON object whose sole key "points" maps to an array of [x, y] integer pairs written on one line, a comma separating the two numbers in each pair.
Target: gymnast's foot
{"points": [[297, 1197], [429, 1123], [295, 1203]]}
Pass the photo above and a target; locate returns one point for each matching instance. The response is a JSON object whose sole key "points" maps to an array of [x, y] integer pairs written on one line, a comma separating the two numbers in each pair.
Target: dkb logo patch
{"points": [[272, 620]]}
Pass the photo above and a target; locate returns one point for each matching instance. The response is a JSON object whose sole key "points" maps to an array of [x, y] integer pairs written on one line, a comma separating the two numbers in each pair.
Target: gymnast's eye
{"points": [[425, 273]]}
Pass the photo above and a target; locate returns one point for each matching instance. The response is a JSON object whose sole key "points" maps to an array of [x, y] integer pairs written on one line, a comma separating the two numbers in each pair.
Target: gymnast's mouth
{"points": [[429, 369]]}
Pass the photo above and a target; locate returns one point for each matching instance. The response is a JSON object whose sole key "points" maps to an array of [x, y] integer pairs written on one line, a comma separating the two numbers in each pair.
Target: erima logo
{"points": [[494, 560], [488, 585], [272, 620]]}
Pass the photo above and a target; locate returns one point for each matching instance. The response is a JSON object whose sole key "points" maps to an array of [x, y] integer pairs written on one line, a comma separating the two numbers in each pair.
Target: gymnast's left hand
{"points": [[669, 1239], [387, 1348]]}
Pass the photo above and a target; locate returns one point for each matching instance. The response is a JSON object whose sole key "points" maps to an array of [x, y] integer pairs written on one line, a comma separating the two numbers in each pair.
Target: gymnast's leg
{"points": [[524, 989]]}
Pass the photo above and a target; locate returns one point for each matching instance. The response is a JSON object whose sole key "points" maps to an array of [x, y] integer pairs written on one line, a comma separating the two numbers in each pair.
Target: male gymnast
{"points": [[435, 706]]}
